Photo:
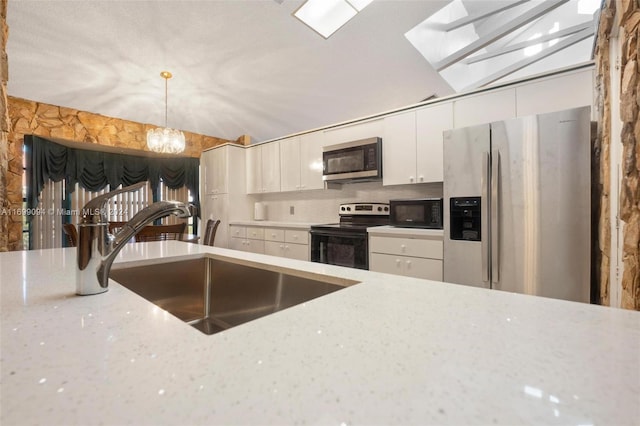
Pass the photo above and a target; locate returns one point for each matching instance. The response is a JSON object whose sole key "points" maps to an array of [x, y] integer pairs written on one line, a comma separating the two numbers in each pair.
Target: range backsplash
{"points": [[321, 206]]}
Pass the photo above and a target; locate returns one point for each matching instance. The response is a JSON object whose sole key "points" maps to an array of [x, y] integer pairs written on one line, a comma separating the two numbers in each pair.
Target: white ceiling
{"points": [[250, 67], [239, 66]]}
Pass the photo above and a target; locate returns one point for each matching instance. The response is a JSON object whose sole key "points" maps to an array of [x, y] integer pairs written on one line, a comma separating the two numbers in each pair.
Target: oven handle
{"points": [[338, 234]]}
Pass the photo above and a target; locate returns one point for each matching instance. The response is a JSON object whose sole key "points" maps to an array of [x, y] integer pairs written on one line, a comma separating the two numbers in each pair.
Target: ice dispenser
{"points": [[465, 218]]}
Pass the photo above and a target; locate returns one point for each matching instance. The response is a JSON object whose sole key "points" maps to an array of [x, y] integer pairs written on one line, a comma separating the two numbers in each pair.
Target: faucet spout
{"points": [[97, 247]]}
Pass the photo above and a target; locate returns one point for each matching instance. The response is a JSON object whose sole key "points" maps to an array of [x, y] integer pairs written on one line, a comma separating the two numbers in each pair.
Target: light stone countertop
{"points": [[390, 350], [272, 224]]}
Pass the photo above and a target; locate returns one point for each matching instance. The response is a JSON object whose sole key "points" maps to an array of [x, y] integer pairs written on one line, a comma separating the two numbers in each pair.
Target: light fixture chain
{"points": [[166, 100]]}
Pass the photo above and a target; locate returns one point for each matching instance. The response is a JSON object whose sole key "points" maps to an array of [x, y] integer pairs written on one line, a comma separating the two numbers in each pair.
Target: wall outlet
{"points": [[292, 210]]}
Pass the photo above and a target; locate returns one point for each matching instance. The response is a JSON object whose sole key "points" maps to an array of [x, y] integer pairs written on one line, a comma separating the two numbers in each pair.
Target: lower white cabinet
{"points": [[411, 257], [292, 243]]}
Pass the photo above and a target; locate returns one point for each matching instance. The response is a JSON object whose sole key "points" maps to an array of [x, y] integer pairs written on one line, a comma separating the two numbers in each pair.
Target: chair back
{"points": [[210, 232], [71, 233], [114, 227], [161, 232]]}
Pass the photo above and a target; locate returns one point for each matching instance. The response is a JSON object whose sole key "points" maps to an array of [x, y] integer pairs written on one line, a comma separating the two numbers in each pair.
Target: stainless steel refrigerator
{"points": [[517, 205]]}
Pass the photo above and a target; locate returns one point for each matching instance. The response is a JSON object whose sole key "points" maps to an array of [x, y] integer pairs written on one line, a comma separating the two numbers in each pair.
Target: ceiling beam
{"points": [[499, 32], [521, 45], [454, 25], [569, 41]]}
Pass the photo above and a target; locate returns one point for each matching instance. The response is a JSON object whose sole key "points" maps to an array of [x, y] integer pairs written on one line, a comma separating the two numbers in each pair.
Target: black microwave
{"points": [[416, 213], [355, 161]]}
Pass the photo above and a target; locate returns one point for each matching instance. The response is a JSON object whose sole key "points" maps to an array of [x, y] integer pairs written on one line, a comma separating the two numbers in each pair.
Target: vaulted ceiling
{"points": [[239, 66]]}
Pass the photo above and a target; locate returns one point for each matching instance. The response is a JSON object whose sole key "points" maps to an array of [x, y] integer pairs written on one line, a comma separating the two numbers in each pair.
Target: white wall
{"points": [[321, 206]]}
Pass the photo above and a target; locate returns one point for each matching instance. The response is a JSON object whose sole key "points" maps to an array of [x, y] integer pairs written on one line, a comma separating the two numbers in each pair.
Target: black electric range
{"points": [[346, 243]]}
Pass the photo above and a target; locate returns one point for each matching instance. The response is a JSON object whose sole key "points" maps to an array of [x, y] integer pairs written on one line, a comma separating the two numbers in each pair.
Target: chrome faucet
{"points": [[97, 247]]}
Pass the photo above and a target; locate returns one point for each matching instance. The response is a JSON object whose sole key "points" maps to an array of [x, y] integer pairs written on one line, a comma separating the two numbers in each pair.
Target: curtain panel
{"points": [[94, 170]]}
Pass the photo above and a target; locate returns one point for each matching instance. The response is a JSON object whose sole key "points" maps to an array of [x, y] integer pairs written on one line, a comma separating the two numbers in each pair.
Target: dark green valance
{"points": [[94, 170]]}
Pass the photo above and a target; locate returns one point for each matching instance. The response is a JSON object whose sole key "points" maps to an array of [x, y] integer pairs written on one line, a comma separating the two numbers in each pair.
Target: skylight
{"points": [[327, 16]]}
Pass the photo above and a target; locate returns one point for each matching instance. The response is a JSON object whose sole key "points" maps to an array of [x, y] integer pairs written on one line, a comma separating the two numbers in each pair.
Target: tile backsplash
{"points": [[321, 206]]}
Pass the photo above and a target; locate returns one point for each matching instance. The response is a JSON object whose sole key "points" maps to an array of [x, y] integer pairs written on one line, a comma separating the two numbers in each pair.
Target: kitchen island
{"points": [[389, 350]]}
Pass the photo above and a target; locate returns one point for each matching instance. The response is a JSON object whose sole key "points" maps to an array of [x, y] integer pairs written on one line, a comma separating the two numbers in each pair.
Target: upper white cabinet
{"points": [[301, 161], [485, 107], [311, 160], [263, 168], [412, 145], [431, 122], [290, 162], [399, 149], [217, 163], [555, 93], [354, 132]]}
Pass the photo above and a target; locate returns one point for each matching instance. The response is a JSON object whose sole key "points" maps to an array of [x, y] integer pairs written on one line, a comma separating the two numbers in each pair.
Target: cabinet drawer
{"points": [[238, 231], [255, 233], [237, 244], [273, 234], [297, 236], [406, 247]]}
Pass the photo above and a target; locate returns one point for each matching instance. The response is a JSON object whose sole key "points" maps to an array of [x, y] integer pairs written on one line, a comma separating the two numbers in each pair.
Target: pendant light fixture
{"points": [[165, 140]]}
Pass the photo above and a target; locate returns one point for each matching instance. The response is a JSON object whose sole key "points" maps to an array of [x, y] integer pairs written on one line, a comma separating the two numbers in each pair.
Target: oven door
{"points": [[340, 248]]}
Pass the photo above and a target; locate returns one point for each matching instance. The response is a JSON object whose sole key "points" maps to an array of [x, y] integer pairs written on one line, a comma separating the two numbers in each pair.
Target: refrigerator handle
{"points": [[495, 216], [485, 214]]}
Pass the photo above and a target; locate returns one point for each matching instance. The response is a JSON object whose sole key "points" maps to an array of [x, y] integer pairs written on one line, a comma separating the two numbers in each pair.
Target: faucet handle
{"points": [[93, 211]]}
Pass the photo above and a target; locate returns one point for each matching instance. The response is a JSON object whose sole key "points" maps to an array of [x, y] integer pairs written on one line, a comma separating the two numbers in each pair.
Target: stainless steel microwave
{"points": [[353, 161], [417, 213]]}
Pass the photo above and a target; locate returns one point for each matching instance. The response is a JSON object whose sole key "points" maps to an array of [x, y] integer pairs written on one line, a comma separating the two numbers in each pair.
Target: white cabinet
{"points": [[412, 145], [247, 238], [290, 162], [263, 168], [311, 160], [411, 257], [399, 149], [292, 243], [223, 189], [431, 122], [354, 132], [301, 161], [555, 93], [216, 164], [485, 107]]}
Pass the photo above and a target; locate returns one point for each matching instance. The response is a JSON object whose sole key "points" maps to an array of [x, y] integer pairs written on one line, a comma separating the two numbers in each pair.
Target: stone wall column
{"points": [[4, 128], [628, 12]]}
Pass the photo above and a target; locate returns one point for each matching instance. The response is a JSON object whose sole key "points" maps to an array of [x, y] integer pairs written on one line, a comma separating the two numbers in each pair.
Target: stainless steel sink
{"points": [[213, 295]]}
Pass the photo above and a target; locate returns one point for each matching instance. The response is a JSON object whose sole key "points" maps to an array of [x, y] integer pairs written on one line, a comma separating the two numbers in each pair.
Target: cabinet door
{"points": [[399, 149], [214, 163], [274, 248], [271, 167], [430, 123], [427, 269], [296, 251], [237, 244], [216, 206], [254, 246], [254, 169], [386, 263], [555, 94], [484, 108], [290, 162], [311, 160]]}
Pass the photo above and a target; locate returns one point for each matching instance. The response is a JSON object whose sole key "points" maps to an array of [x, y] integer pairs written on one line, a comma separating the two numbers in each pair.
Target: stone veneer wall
{"points": [[37, 118], [4, 127], [629, 14]]}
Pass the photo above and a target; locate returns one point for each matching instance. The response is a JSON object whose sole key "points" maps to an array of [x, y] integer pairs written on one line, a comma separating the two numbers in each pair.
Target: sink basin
{"points": [[213, 295]]}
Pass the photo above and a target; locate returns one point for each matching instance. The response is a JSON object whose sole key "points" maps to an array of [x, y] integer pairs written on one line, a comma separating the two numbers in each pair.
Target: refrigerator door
{"points": [[541, 198], [466, 169]]}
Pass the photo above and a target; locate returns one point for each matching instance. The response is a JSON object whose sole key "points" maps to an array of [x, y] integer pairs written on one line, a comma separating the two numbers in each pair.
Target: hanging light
{"points": [[165, 140]]}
